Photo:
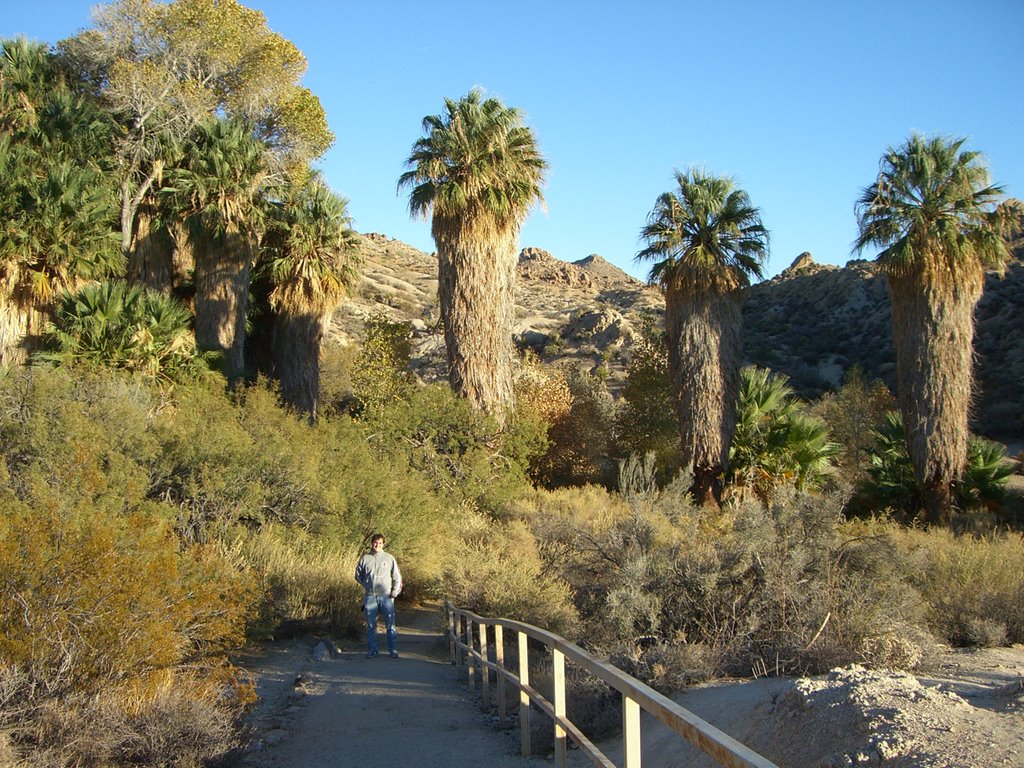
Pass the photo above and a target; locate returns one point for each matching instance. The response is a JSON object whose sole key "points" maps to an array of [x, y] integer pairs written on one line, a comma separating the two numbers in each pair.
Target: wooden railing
{"points": [[478, 644]]}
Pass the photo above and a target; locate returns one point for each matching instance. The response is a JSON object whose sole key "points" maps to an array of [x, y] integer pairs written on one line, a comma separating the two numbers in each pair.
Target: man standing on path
{"points": [[378, 572]]}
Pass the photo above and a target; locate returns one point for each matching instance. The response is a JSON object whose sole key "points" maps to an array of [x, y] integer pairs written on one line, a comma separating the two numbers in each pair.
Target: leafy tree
{"points": [[111, 324], [852, 414], [220, 186], [775, 442], [707, 241], [477, 172], [312, 268], [647, 419], [935, 215], [580, 439], [163, 68], [381, 376]]}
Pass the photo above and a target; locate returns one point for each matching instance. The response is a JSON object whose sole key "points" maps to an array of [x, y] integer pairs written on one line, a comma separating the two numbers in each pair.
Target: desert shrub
{"points": [[677, 593], [973, 587], [182, 723], [108, 615], [495, 570], [852, 413], [89, 598], [380, 373], [301, 578], [458, 449]]}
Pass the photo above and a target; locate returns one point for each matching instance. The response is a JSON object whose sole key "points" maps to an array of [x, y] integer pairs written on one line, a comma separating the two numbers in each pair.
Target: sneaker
{"points": [[371, 654], [393, 654]]}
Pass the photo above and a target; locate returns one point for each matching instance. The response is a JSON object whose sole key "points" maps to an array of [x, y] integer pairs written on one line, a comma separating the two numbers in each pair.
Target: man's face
{"points": [[377, 545]]}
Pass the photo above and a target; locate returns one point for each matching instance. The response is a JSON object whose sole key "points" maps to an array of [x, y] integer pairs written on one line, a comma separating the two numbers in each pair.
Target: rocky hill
{"points": [[812, 322]]}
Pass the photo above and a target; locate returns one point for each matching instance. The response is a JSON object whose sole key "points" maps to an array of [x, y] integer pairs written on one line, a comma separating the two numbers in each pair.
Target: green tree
{"points": [[164, 67], [707, 241], [647, 419], [55, 192], [938, 221], [220, 185], [852, 414], [381, 373], [312, 269], [775, 441], [477, 173]]}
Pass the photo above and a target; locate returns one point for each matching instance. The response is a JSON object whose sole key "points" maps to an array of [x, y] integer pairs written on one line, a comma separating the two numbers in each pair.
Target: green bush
{"points": [[117, 326]]}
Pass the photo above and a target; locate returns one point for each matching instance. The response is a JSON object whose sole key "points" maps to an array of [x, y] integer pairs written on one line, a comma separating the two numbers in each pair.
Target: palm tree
{"points": [[707, 241], [56, 193], [938, 220], [312, 269], [775, 441], [113, 325], [219, 188], [477, 172]]}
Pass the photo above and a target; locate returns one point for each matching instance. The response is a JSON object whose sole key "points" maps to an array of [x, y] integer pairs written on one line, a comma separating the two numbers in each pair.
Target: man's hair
{"points": [[376, 536]]}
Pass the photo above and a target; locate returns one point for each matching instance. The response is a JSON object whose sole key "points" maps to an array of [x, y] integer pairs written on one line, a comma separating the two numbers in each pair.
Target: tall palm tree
{"points": [[219, 187], [707, 241], [939, 222], [312, 269], [477, 172]]}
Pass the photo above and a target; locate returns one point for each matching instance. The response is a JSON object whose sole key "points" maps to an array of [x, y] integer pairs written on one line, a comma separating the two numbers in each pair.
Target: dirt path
{"points": [[347, 711], [350, 711]]}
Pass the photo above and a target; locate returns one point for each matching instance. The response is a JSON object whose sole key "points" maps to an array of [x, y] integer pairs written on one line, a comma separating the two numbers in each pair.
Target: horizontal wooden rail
{"points": [[468, 636]]}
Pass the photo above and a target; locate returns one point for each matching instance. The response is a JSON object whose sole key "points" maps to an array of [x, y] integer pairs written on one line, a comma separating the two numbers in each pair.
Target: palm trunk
{"points": [[222, 295], [150, 263], [297, 340], [933, 332], [476, 282], [13, 330], [705, 348]]}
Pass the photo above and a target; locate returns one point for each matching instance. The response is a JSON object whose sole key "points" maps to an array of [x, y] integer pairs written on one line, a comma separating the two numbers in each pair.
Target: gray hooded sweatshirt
{"points": [[379, 574]]}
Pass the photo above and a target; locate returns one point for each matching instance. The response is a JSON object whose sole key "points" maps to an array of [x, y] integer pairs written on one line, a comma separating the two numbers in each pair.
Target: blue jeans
{"points": [[385, 606]]}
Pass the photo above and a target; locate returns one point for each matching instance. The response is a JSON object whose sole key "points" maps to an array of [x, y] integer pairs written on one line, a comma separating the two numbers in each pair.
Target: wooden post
{"points": [[485, 672], [499, 657], [469, 653], [558, 672], [630, 732], [450, 616], [524, 697]]}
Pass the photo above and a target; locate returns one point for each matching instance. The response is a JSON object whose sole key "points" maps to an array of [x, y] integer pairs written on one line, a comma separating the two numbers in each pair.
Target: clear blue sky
{"points": [[797, 100]]}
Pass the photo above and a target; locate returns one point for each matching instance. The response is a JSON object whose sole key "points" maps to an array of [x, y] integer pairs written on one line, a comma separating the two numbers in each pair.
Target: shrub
{"points": [[114, 325], [973, 586], [301, 577], [109, 629], [775, 442], [676, 593], [496, 570]]}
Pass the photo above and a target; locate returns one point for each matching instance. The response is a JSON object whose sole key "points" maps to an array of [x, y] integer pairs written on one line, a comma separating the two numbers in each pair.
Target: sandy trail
{"points": [[350, 711]]}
